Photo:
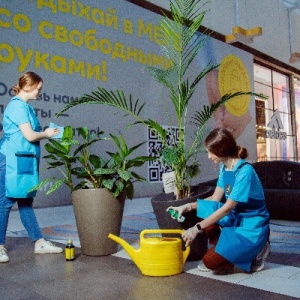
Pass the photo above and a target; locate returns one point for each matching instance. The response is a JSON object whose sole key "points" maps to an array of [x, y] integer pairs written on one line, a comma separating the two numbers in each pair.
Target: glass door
{"points": [[274, 119]]}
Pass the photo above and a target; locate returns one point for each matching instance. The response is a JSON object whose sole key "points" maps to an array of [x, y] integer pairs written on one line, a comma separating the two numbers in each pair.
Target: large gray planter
{"points": [[162, 201], [97, 213]]}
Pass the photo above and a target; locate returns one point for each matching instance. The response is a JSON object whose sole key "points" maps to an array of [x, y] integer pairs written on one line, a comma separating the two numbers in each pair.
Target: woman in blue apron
{"points": [[238, 229], [19, 162]]}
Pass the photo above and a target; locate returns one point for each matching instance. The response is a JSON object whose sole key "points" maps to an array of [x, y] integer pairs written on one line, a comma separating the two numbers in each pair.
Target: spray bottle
{"points": [[174, 215]]}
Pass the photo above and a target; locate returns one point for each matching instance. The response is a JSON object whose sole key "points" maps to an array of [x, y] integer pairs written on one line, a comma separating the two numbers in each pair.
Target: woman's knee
{"points": [[214, 261], [208, 261]]}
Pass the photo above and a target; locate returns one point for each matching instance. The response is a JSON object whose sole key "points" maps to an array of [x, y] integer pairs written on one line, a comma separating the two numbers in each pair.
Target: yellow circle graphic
{"points": [[233, 77]]}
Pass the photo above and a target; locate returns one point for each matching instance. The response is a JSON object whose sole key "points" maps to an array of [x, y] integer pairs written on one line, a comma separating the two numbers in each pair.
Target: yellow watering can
{"points": [[157, 256]]}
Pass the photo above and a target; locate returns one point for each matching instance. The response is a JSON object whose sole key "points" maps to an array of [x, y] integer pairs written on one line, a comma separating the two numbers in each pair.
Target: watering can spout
{"points": [[133, 253]]}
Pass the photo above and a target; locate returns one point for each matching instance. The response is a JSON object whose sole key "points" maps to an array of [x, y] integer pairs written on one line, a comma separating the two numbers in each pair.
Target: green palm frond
{"points": [[201, 117], [163, 76], [115, 99], [178, 36], [191, 51], [202, 74]]}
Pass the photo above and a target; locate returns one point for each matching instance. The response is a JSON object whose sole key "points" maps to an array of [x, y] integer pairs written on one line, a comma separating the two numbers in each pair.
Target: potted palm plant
{"points": [[181, 46], [98, 186]]}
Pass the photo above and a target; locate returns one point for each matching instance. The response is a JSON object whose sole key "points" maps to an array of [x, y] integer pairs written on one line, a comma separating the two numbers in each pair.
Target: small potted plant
{"points": [[98, 186]]}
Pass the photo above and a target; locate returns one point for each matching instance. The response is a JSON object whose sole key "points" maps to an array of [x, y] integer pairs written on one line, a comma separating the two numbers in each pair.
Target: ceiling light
{"points": [[295, 57], [240, 34]]}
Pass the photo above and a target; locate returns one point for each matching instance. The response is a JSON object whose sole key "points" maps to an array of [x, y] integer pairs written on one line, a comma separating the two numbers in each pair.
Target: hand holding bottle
{"points": [[177, 212]]}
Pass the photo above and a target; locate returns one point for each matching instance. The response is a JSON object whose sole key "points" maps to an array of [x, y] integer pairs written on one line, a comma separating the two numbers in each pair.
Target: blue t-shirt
{"points": [[16, 113], [247, 184]]}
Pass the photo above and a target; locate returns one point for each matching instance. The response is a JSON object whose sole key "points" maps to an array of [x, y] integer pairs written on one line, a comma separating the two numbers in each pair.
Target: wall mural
{"points": [[76, 46]]}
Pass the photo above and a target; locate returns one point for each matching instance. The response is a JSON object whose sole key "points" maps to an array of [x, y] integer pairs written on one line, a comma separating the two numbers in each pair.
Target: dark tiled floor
{"points": [[30, 276]]}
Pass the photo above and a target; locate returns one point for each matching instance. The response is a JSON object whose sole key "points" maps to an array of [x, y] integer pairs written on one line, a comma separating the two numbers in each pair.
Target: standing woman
{"points": [[238, 230], [19, 161]]}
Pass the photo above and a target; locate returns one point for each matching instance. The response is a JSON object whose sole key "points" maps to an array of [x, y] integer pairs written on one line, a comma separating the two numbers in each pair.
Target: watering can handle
{"points": [[156, 231]]}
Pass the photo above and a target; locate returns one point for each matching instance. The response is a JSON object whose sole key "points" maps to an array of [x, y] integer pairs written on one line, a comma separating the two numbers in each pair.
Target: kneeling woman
{"points": [[238, 229]]}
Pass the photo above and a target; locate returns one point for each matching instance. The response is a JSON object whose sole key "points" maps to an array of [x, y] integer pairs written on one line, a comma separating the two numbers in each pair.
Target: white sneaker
{"points": [[259, 262], [202, 267], [3, 255], [46, 247]]}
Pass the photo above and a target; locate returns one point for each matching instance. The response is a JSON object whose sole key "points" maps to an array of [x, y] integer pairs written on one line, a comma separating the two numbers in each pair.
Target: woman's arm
{"points": [[217, 195], [34, 136], [219, 213], [189, 235]]}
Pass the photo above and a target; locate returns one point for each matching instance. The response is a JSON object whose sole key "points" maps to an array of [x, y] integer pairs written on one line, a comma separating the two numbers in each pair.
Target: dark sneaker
{"points": [[259, 262]]}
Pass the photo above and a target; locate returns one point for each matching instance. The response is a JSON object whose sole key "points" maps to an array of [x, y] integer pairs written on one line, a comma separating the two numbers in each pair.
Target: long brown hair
{"points": [[27, 79], [221, 143]]}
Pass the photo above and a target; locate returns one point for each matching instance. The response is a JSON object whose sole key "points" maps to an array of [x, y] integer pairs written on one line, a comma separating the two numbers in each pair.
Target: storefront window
{"points": [[274, 130]]}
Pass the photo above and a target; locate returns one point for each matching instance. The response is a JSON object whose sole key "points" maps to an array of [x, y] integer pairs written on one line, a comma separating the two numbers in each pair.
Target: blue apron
{"points": [[244, 230], [22, 157]]}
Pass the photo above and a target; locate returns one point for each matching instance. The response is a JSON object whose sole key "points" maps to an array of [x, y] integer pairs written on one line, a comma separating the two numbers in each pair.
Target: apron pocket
{"points": [[25, 163], [21, 174]]}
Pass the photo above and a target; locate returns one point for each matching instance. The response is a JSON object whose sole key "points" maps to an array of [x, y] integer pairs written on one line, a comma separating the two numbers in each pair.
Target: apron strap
{"points": [[240, 166]]}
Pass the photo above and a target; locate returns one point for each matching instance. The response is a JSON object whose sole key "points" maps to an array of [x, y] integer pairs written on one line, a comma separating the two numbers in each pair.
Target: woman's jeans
{"points": [[27, 214]]}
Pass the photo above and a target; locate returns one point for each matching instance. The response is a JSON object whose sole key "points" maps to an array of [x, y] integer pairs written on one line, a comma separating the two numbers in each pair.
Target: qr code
{"points": [[157, 168]]}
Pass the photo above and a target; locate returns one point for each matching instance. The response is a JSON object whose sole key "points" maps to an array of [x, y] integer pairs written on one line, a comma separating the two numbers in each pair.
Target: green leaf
{"points": [[68, 133], [126, 175], [57, 184], [56, 148], [103, 171], [129, 190], [40, 185], [84, 132], [137, 177], [55, 164], [95, 160], [108, 183]]}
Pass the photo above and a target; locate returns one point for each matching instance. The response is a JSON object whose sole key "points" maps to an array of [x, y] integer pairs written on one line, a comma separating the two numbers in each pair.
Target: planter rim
{"points": [[171, 198], [122, 196], [91, 189]]}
